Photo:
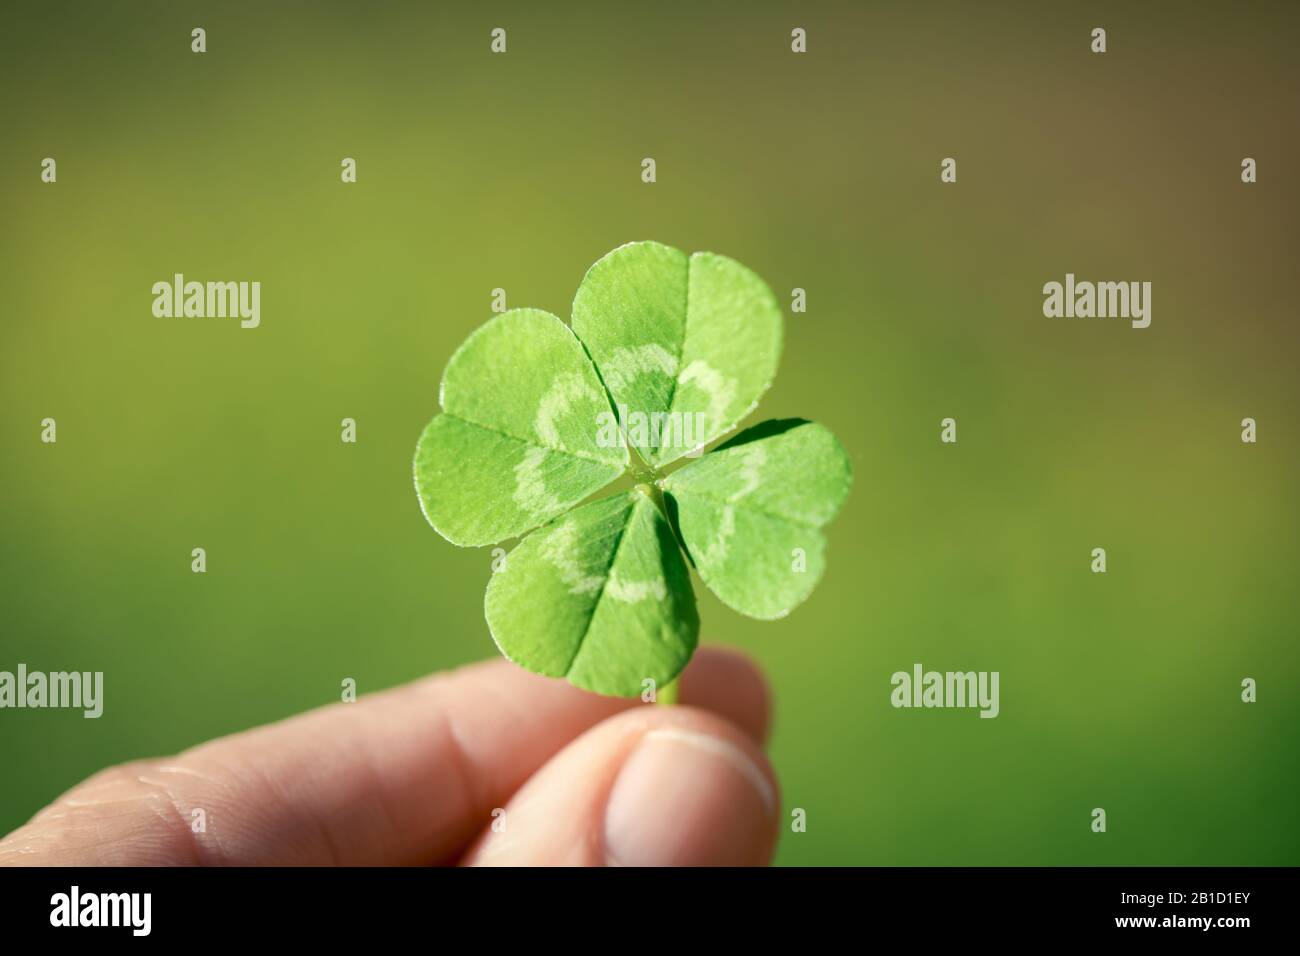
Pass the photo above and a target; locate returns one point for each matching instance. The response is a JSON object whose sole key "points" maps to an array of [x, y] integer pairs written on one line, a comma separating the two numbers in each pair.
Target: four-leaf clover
{"points": [[666, 353]]}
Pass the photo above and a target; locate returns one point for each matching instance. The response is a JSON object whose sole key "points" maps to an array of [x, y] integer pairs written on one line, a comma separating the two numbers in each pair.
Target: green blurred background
{"points": [[819, 171]]}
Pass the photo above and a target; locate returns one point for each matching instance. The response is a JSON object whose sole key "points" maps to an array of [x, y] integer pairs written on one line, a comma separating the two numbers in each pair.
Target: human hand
{"points": [[420, 774]]}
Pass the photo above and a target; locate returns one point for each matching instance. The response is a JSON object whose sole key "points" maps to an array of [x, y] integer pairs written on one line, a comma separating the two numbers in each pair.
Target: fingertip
{"points": [[692, 792], [653, 786]]}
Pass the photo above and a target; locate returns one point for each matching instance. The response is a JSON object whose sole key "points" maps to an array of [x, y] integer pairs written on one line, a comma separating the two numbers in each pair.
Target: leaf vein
{"points": [[741, 503], [609, 571], [532, 442], [681, 349]]}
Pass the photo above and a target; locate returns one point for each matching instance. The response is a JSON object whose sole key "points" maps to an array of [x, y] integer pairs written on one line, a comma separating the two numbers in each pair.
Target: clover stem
{"points": [[667, 694], [650, 488]]}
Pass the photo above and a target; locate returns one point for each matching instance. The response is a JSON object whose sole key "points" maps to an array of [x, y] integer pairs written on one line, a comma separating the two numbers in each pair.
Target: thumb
{"points": [[653, 786]]}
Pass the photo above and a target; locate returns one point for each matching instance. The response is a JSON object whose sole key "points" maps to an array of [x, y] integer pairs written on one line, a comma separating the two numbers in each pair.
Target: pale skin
{"points": [[485, 765]]}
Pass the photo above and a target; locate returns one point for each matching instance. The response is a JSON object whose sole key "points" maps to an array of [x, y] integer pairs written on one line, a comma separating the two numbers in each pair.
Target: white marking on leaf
{"points": [[564, 391], [721, 392], [715, 553], [530, 492], [632, 591], [561, 548], [624, 365], [753, 458]]}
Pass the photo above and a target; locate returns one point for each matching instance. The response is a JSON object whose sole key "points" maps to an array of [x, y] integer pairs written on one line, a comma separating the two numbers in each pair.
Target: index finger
{"points": [[406, 776]]}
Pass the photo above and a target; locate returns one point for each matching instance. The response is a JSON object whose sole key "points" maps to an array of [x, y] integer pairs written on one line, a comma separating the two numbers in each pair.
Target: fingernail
{"points": [[687, 799]]}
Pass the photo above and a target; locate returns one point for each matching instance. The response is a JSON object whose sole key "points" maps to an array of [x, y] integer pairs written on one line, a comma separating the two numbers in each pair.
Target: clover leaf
{"points": [[515, 445], [695, 338], [750, 513], [667, 352]]}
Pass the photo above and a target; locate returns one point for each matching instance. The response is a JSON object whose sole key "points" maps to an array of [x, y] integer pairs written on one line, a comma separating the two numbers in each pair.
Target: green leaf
{"points": [[750, 513], [602, 596], [696, 339], [516, 444]]}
